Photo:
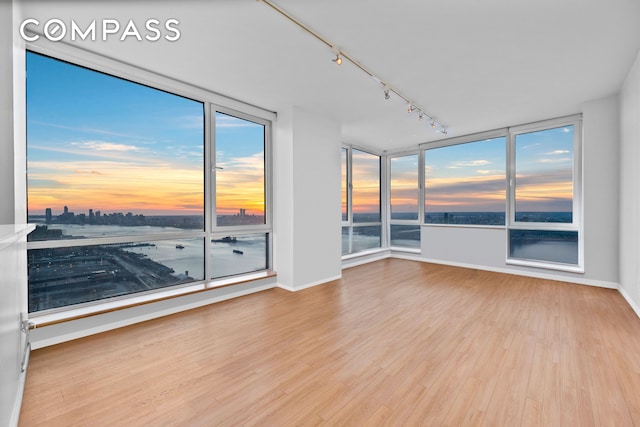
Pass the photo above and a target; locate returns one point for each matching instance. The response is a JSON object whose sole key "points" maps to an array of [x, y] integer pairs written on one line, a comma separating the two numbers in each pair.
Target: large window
{"points": [[362, 229], [404, 194], [465, 183], [117, 176], [544, 225]]}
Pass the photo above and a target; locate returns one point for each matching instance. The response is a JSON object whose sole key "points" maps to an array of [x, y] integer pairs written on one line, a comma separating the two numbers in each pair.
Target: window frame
{"points": [[349, 223], [466, 139], [577, 224], [420, 187], [212, 102]]}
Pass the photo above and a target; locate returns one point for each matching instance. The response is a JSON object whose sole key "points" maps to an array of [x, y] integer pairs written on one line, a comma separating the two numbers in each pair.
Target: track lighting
{"points": [[338, 58], [341, 55]]}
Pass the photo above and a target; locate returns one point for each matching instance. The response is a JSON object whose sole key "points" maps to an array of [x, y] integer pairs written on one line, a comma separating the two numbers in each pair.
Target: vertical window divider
{"points": [[385, 200], [421, 185], [209, 184]]}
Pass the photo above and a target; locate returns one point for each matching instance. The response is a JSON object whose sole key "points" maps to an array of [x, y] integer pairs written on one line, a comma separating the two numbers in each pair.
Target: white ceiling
{"points": [[474, 65]]}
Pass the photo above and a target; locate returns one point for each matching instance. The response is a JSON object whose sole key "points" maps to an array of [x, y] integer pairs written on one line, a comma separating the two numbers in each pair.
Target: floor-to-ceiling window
{"points": [[545, 196], [362, 227], [404, 196], [135, 189]]}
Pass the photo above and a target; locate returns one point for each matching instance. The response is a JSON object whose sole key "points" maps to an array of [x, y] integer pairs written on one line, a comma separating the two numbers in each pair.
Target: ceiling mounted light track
{"points": [[340, 54]]}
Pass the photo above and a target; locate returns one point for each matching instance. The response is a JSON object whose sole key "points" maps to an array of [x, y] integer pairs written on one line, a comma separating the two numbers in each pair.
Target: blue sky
{"points": [[101, 142]]}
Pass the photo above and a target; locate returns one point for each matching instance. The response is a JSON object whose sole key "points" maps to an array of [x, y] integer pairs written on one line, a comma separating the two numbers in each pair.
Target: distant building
{"points": [[48, 216]]}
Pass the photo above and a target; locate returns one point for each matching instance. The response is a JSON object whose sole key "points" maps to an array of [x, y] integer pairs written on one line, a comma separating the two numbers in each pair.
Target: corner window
{"points": [[363, 228], [120, 191], [404, 189]]}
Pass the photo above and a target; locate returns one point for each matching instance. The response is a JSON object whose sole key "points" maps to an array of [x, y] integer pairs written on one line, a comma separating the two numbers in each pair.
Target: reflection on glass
{"points": [[465, 183], [240, 188], [66, 276], [238, 254], [346, 239], [366, 237], [345, 215], [405, 235], [366, 187], [544, 245], [105, 153], [404, 187], [544, 175]]}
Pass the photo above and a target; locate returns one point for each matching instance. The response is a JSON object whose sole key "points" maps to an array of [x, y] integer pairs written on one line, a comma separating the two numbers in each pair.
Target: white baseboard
{"points": [[631, 302], [538, 275], [309, 285]]}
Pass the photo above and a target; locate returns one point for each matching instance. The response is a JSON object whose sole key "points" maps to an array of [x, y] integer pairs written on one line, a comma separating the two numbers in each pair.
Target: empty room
{"points": [[285, 213]]}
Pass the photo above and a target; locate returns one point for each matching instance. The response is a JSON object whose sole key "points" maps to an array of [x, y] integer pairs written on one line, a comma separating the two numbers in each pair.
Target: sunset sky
{"points": [[99, 142]]}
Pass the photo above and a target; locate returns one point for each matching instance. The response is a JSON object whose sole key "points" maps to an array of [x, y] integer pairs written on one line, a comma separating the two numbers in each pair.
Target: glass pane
{"points": [[67, 276], [367, 237], [240, 190], [106, 156], [544, 176], [366, 187], [345, 214], [465, 183], [236, 255], [346, 240], [544, 245], [405, 235], [404, 187]]}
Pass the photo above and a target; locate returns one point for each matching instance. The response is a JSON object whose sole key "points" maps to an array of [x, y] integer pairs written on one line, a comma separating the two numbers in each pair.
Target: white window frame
{"points": [[476, 137], [577, 224], [212, 102], [384, 202], [387, 160]]}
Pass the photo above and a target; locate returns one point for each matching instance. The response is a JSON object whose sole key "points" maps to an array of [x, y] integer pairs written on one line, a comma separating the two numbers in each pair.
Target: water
{"points": [[565, 252], [190, 259]]}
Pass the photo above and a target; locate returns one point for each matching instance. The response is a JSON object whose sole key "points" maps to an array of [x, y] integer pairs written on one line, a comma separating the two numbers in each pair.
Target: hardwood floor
{"points": [[393, 343]]}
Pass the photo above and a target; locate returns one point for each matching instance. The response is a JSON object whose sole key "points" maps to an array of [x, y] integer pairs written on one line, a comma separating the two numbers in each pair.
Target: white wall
{"points": [[13, 303], [307, 177], [486, 248], [6, 114], [629, 186]]}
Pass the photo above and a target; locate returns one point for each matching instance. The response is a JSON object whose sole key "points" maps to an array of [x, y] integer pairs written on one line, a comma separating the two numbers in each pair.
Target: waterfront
{"points": [[82, 273]]}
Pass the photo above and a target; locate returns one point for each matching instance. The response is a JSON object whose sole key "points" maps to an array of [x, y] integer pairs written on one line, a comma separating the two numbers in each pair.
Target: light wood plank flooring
{"points": [[393, 343]]}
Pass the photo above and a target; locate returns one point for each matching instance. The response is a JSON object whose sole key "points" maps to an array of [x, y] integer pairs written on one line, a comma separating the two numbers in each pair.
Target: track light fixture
{"points": [[341, 55], [338, 58]]}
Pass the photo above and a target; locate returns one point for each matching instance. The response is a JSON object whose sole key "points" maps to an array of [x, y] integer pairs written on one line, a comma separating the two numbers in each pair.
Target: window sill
{"points": [[364, 253], [92, 309], [493, 227], [546, 265], [405, 249]]}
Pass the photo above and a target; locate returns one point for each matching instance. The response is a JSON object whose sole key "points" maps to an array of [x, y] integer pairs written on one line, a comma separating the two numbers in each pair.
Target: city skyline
{"points": [[95, 139]]}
